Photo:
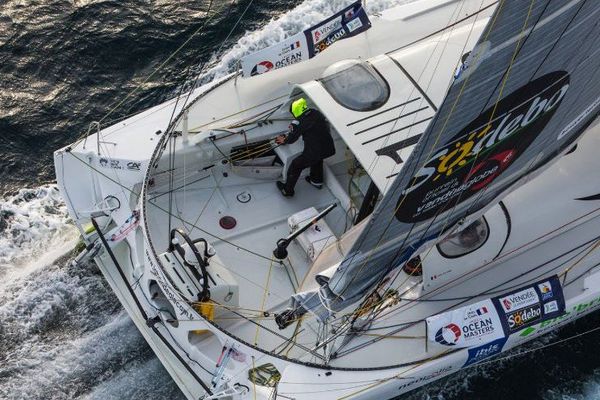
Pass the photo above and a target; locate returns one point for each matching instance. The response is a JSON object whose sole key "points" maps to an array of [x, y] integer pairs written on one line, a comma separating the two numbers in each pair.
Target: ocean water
{"points": [[63, 63]]}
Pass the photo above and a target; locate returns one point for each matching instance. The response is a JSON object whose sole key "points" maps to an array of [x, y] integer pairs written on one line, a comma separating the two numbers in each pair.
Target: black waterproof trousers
{"points": [[297, 166]]}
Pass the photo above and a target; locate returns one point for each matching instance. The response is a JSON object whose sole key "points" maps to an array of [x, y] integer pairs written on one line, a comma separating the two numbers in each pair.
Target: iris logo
{"points": [[448, 335]]}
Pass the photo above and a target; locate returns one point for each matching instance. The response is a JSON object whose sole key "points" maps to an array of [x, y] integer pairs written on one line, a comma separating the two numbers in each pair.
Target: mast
{"points": [[526, 94]]}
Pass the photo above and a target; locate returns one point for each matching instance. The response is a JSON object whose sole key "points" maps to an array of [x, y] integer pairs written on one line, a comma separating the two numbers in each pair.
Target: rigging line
{"points": [[431, 81], [180, 187], [264, 299], [594, 248], [375, 161], [419, 300], [217, 52], [480, 364], [519, 47], [403, 198], [254, 119], [199, 128], [475, 14], [457, 202], [271, 331], [462, 300], [558, 40], [175, 216], [171, 177], [163, 64], [587, 271], [407, 325]]}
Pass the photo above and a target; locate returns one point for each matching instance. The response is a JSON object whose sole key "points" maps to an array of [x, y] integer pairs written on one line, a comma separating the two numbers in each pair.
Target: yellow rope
{"points": [[264, 299]]}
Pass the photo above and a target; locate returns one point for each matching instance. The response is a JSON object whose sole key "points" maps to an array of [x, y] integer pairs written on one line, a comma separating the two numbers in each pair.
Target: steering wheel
{"points": [[203, 276]]}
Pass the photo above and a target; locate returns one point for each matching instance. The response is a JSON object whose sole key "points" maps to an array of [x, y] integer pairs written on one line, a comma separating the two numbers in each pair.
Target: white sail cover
{"points": [[529, 89]]}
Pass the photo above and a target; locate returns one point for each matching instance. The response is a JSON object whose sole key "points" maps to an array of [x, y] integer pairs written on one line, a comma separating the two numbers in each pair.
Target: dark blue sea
{"points": [[64, 64]]}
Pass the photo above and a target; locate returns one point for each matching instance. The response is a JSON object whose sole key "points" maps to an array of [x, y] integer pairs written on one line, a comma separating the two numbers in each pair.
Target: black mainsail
{"points": [[530, 88]]}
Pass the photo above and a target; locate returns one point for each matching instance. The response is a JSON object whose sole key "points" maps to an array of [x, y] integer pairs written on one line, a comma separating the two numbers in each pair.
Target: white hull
{"points": [[540, 233]]}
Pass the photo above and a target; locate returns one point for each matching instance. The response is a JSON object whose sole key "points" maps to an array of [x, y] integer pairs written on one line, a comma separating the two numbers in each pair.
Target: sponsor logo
{"points": [[480, 353], [522, 317], [478, 312], [322, 31], [546, 290], [550, 307], [524, 298], [288, 48], [568, 316], [478, 328], [134, 166], [110, 163], [479, 153], [427, 377], [448, 335], [262, 67], [322, 46], [354, 25]]}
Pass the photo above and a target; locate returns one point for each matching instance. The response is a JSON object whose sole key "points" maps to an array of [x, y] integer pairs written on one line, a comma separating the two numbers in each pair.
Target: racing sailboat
{"points": [[457, 220]]}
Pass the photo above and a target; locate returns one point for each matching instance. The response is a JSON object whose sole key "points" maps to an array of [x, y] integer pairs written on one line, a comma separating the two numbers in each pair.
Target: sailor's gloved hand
{"points": [[280, 139]]}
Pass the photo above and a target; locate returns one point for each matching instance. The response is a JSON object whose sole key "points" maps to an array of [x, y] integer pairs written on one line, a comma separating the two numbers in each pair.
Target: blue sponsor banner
{"points": [[302, 46], [349, 22], [530, 305], [477, 354]]}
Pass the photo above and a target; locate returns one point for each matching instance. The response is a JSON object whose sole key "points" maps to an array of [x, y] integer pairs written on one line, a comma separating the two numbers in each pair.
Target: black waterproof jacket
{"points": [[314, 129]]}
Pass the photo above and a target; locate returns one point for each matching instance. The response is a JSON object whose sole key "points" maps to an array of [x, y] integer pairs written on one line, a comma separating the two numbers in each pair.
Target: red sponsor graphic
{"points": [[448, 335], [262, 67]]}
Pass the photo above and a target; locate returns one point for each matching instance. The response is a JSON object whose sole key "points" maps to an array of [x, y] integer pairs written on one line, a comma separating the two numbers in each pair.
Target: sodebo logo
{"points": [[484, 149], [522, 317]]}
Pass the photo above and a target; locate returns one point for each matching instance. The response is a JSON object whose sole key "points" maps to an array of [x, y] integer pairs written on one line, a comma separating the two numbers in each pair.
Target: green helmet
{"points": [[299, 107]]}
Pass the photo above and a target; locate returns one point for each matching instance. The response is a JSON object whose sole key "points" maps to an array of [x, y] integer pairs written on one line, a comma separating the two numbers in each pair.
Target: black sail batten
{"points": [[523, 99]]}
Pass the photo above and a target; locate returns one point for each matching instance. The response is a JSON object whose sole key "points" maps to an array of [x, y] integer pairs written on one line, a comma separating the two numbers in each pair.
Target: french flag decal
{"points": [[482, 310], [294, 46]]}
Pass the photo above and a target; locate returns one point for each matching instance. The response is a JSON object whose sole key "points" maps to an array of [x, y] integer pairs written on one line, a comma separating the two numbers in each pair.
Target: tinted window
{"points": [[465, 241], [358, 87]]}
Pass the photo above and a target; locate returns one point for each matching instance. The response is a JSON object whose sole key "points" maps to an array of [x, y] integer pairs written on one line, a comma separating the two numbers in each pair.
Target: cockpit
{"points": [[213, 186]]}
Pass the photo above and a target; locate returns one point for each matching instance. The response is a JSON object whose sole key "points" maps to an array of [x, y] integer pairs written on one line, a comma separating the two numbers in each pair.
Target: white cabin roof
{"points": [[418, 79]]}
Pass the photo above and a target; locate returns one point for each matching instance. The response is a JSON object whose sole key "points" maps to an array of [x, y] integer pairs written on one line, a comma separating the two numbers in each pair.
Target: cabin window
{"points": [[465, 241], [357, 86]]}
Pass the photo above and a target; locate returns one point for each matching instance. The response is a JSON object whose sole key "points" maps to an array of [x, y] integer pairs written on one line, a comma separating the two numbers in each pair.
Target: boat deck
{"points": [[399, 332]]}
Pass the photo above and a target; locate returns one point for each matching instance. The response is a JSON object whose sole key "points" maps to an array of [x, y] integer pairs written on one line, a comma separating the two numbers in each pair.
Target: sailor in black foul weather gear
{"points": [[318, 145]]}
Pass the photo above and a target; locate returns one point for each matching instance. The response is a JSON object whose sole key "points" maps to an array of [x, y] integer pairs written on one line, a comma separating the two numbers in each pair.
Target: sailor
{"points": [[318, 145]]}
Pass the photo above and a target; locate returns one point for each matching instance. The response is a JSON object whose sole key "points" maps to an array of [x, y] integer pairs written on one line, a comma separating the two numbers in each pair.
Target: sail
{"points": [[525, 94]]}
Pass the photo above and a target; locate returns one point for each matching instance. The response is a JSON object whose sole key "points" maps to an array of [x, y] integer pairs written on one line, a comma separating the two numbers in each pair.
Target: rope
{"points": [[494, 360], [175, 216], [163, 64], [264, 299]]}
